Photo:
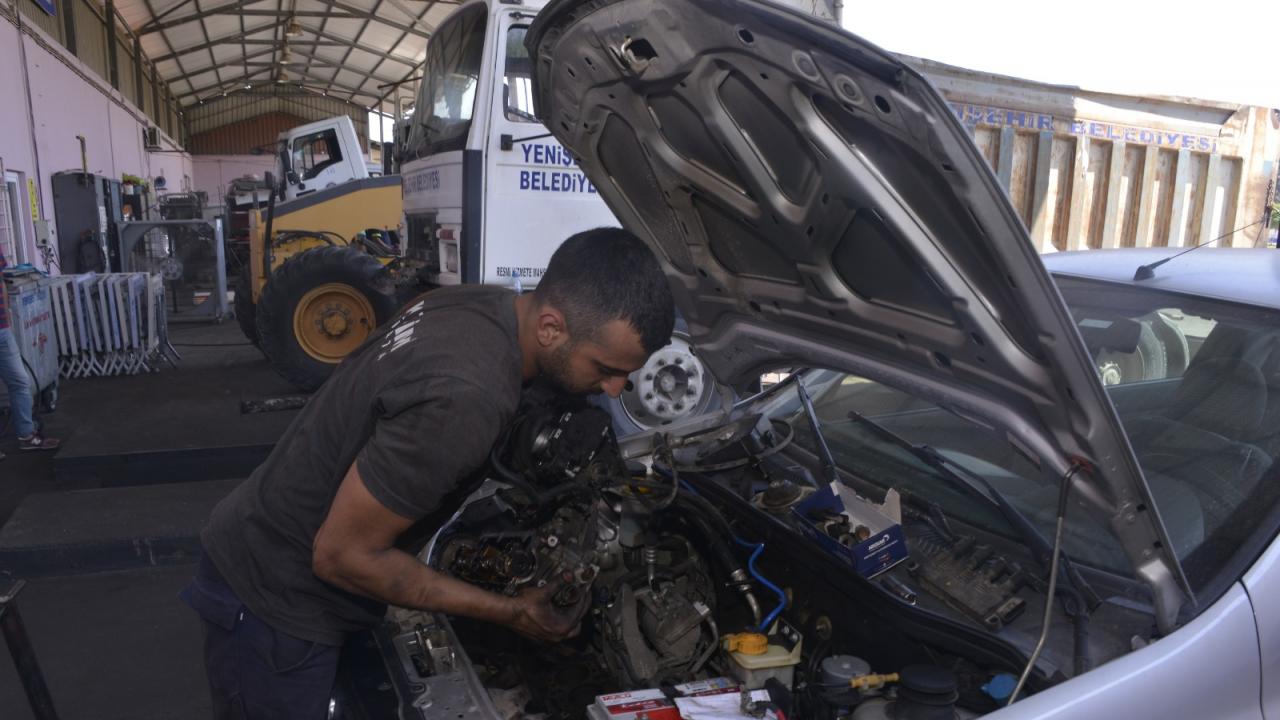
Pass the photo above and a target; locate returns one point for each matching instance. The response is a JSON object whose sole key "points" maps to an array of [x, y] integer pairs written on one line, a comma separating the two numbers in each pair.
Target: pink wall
{"points": [[213, 173], [68, 99]]}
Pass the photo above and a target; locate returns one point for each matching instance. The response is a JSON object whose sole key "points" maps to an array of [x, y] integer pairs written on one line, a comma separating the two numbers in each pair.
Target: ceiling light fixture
{"points": [[293, 29], [286, 56]]}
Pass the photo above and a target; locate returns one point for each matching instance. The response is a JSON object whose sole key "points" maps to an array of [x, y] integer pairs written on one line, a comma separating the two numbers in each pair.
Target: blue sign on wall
{"points": [[48, 6]]}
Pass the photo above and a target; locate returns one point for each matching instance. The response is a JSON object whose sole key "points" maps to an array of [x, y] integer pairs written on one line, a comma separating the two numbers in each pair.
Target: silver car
{"points": [[1077, 466]]}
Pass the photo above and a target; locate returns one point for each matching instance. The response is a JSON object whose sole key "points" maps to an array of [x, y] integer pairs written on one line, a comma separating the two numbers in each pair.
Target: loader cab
{"points": [[319, 155], [488, 193]]}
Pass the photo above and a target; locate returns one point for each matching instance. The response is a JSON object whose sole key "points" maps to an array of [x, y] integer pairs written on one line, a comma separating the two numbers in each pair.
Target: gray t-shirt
{"points": [[417, 407]]}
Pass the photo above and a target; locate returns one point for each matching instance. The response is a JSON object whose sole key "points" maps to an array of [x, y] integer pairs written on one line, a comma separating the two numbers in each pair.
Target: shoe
{"points": [[36, 441]]}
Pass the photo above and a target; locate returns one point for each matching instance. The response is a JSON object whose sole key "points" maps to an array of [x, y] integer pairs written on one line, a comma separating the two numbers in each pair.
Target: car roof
{"points": [[1246, 275]]}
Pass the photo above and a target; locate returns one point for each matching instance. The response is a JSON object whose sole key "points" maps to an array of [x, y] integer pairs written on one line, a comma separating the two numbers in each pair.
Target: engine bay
{"points": [[684, 545]]}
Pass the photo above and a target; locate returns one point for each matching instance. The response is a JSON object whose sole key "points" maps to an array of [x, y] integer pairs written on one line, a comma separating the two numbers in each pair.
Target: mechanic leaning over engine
{"points": [[308, 548]]}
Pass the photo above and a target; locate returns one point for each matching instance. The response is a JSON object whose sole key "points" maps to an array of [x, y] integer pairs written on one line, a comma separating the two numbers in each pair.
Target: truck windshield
{"points": [[446, 98]]}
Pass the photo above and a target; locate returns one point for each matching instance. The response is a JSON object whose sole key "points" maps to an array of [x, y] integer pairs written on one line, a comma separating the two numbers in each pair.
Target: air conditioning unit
{"points": [[151, 138]]}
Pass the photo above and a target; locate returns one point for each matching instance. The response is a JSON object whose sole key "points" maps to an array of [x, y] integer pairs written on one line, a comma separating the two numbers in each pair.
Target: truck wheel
{"points": [[318, 307], [246, 313]]}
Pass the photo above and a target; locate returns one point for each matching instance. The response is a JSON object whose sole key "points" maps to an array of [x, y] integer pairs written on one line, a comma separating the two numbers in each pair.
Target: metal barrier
{"points": [[112, 324]]}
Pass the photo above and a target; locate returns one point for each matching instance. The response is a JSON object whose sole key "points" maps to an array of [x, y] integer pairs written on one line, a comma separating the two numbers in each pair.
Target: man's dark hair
{"points": [[609, 274]]}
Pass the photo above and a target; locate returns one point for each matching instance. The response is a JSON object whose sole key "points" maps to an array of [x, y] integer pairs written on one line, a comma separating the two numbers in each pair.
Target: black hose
{"points": [[510, 476], [699, 513]]}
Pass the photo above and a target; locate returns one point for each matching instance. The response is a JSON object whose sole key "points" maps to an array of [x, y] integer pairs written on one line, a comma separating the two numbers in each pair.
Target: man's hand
{"points": [[355, 550], [539, 619]]}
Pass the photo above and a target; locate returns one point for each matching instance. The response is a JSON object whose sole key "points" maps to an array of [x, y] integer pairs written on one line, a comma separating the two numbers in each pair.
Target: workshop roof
{"points": [[351, 49]]}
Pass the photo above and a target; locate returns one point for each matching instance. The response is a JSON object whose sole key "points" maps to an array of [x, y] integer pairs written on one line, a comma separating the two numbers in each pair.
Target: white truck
{"points": [[488, 193], [319, 155]]}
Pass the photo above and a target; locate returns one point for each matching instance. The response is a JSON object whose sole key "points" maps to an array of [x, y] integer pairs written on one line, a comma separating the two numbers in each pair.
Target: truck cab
{"points": [[488, 193], [319, 155]]}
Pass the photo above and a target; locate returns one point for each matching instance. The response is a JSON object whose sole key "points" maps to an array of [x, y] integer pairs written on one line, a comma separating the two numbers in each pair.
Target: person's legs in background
{"points": [[14, 376]]}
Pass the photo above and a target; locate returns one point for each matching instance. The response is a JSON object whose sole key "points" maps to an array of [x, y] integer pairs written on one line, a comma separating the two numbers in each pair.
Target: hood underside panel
{"points": [[816, 203]]}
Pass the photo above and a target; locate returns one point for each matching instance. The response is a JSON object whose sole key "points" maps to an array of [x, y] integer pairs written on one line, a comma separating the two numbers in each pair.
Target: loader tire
{"points": [[246, 312], [318, 307]]}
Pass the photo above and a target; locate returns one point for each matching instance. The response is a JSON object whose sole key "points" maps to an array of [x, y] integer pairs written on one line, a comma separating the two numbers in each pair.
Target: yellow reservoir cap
{"points": [[747, 643]]}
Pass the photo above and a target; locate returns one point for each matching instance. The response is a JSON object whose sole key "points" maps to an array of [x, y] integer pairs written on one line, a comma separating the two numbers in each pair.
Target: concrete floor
{"points": [[117, 643], [113, 646]]}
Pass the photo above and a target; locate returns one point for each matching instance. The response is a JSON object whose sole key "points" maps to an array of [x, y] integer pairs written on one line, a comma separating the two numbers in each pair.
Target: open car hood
{"points": [[815, 202]]}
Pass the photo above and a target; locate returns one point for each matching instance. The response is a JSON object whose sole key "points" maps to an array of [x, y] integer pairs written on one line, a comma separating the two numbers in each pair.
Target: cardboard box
{"points": [[885, 547], [653, 704]]}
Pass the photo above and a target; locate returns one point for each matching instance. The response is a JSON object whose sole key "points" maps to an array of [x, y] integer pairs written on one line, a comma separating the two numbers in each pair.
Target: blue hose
{"points": [[758, 549]]}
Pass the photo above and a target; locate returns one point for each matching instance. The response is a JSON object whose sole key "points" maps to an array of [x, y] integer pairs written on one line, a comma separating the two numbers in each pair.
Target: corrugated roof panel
{"points": [[310, 6], [153, 45], [268, 34], [321, 73], [362, 61], [366, 4], [224, 25], [231, 53], [409, 48], [342, 27], [185, 35], [168, 68], [204, 79], [381, 36], [348, 78], [332, 54], [439, 12]]}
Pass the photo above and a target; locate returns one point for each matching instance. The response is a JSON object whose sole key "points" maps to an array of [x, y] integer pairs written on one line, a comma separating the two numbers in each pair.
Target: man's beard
{"points": [[556, 369]]}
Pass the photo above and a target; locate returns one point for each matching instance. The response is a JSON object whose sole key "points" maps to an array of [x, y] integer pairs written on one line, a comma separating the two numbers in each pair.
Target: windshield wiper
{"points": [[978, 485]]}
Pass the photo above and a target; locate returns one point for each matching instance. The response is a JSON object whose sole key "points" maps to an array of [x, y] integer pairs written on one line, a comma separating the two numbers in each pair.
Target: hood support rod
{"points": [[1049, 599]]}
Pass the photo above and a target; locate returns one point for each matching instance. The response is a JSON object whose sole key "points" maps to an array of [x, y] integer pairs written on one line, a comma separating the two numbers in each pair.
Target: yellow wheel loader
{"points": [[320, 276]]}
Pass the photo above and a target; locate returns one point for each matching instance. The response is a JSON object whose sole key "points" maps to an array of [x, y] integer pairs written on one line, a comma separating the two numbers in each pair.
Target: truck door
{"points": [[535, 195], [319, 160]]}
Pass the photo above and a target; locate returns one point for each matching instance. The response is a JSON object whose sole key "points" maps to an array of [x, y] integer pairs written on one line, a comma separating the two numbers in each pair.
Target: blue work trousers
{"points": [[255, 671], [15, 379]]}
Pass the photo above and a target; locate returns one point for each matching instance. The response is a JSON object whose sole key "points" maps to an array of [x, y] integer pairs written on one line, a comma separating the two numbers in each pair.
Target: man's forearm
{"points": [[398, 578]]}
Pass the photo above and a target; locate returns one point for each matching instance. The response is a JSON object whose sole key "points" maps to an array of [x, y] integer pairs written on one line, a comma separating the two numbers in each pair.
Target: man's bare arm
{"points": [[355, 550]]}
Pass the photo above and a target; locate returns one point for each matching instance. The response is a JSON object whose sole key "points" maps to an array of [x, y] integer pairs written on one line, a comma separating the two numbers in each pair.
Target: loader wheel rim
{"points": [[332, 320]]}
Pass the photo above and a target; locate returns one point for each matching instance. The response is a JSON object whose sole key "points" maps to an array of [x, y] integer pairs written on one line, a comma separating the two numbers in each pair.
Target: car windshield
{"points": [[1196, 384]]}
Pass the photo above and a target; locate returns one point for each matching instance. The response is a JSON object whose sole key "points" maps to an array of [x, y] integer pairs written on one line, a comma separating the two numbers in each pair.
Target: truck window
{"points": [[446, 98], [315, 152], [517, 87]]}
